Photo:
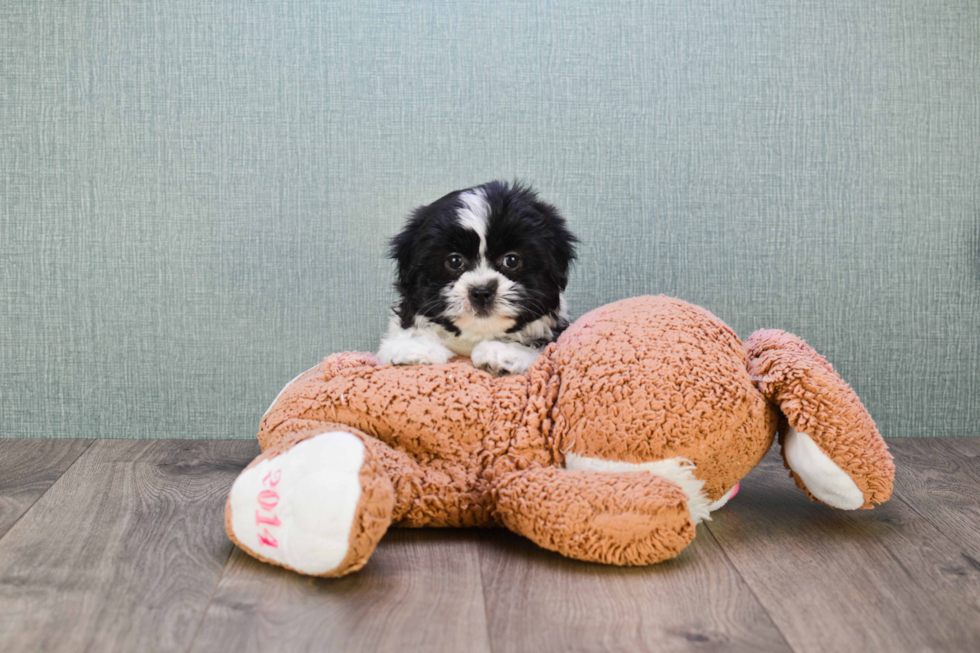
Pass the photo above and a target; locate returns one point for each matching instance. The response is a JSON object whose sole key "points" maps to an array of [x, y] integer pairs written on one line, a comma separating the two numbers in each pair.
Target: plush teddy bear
{"points": [[623, 435]]}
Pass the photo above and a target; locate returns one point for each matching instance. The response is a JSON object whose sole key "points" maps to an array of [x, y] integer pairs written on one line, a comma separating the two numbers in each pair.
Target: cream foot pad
{"points": [[298, 508], [822, 477]]}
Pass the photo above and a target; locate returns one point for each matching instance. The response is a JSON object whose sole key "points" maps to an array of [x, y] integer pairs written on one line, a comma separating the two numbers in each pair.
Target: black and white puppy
{"points": [[481, 273]]}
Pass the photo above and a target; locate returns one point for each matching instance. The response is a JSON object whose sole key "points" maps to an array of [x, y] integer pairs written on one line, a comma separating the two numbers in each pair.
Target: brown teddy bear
{"points": [[623, 435]]}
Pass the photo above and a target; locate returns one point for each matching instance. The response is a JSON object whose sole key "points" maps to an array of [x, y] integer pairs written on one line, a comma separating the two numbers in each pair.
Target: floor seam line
{"points": [[751, 589], [43, 494], [923, 517], [483, 592], [899, 493], [207, 606], [217, 584]]}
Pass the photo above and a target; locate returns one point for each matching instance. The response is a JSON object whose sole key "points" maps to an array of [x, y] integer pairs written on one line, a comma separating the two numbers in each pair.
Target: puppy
{"points": [[481, 273]]}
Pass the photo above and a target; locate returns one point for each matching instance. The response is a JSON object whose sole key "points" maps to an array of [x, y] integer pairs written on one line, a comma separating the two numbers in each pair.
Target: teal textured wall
{"points": [[195, 196]]}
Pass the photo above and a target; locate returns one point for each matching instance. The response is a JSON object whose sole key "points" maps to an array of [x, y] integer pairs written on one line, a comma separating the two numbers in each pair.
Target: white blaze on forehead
{"points": [[482, 274], [474, 214]]}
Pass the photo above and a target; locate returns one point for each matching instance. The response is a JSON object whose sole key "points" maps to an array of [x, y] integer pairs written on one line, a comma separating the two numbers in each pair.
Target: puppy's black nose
{"points": [[482, 296]]}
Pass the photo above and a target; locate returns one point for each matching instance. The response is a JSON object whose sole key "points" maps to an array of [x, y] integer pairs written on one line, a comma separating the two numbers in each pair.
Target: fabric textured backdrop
{"points": [[195, 196]]}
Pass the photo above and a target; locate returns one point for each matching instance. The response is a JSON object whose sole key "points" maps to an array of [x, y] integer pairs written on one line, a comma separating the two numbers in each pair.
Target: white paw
{"points": [[414, 351], [822, 477], [503, 357], [298, 508]]}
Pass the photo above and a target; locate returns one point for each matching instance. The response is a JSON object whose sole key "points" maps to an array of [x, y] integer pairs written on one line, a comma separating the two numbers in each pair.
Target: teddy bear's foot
{"points": [[831, 445], [317, 504]]}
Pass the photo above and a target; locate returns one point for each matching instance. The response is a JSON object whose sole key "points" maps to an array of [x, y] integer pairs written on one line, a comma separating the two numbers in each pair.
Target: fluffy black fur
{"points": [[519, 222]]}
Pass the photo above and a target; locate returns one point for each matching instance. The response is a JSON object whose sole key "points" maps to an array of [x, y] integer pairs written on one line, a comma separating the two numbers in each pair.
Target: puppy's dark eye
{"points": [[454, 262], [511, 261]]}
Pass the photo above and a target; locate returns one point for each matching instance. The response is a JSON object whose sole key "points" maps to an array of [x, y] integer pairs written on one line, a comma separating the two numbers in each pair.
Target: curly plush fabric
{"points": [[815, 400], [631, 383]]}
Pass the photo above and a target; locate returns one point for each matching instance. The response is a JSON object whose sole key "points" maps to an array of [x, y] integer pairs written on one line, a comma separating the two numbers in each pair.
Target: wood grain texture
{"points": [[124, 551], [967, 448], [127, 551], [879, 580], [537, 601], [27, 469], [940, 480], [421, 591]]}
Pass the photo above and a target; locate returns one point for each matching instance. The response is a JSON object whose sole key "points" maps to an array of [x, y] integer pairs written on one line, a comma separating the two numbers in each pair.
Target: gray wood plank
{"points": [[969, 448], [538, 601], [124, 551], [942, 484], [28, 467], [421, 591], [884, 579]]}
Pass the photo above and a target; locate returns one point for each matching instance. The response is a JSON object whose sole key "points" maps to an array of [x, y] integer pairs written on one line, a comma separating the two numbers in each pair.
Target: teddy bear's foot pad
{"points": [[822, 477], [298, 508]]}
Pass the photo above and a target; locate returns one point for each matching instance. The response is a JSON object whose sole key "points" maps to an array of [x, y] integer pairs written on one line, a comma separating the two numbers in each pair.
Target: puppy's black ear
{"points": [[561, 242], [402, 249]]}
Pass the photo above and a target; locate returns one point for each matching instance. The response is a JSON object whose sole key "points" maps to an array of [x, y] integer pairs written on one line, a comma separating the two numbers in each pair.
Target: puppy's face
{"points": [[483, 261]]}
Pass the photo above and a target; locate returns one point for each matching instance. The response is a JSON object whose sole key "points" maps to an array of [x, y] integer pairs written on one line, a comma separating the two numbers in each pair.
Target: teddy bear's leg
{"points": [[831, 445], [438, 493], [619, 518], [316, 502]]}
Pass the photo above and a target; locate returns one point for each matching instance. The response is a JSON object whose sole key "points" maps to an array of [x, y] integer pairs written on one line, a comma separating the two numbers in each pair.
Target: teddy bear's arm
{"points": [[428, 411], [620, 518], [318, 499]]}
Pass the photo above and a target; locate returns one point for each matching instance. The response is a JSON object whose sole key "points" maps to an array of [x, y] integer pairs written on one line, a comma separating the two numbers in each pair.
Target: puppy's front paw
{"points": [[414, 351], [503, 357]]}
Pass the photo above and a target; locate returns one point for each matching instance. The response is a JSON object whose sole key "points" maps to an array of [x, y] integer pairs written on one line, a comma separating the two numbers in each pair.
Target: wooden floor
{"points": [[119, 545]]}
